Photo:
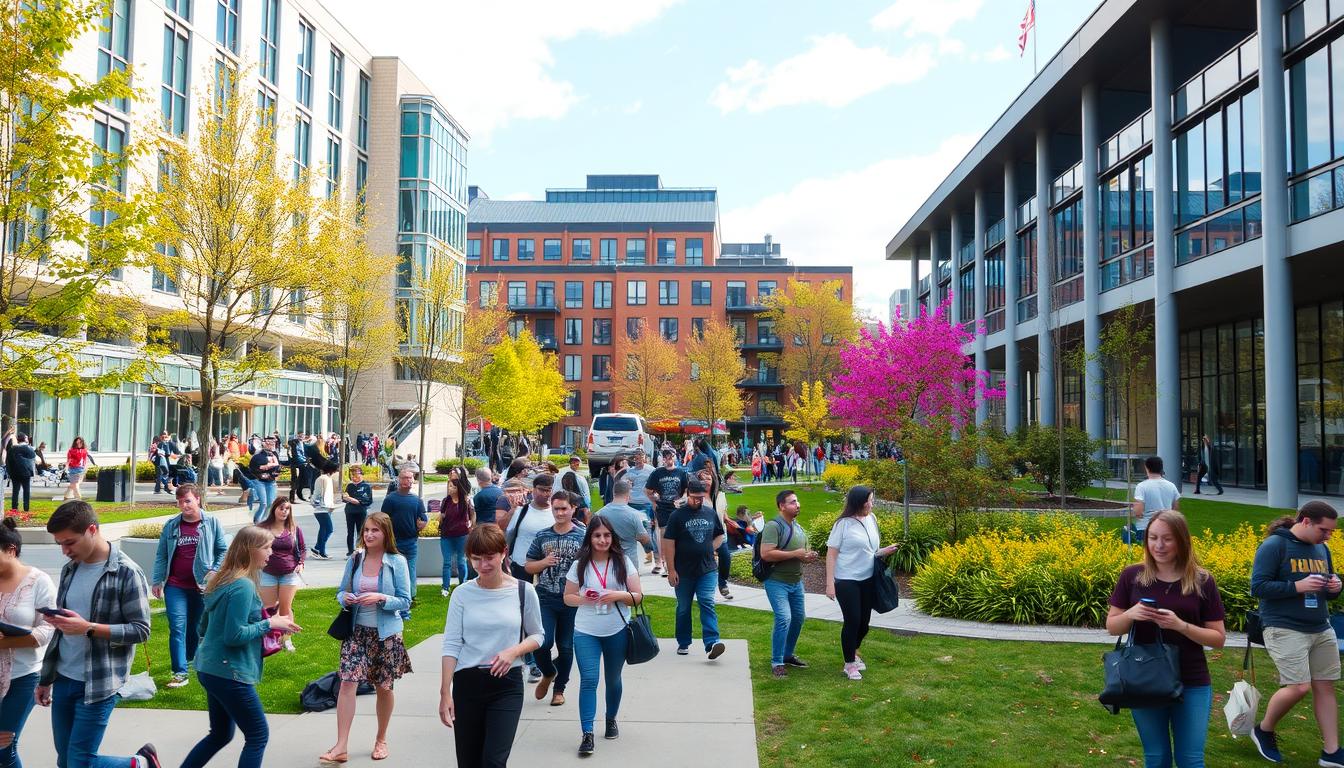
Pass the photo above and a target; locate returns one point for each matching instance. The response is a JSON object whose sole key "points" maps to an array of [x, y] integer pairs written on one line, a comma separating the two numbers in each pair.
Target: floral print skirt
{"points": [[366, 658]]}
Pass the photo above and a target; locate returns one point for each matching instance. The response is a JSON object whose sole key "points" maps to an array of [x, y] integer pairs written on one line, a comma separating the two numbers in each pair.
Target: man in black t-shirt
{"points": [[265, 465], [693, 534], [665, 487]]}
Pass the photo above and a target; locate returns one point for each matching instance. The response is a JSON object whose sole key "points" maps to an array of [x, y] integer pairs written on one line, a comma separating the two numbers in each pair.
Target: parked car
{"points": [[613, 434]]}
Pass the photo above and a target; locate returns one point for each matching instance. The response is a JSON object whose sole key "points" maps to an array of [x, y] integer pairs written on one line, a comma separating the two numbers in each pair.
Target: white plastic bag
{"points": [[138, 687], [1243, 702]]}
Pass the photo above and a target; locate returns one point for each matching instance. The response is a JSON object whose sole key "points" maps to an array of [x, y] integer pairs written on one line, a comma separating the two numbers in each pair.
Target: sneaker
{"points": [[1332, 759], [586, 746], [1266, 744], [289, 644], [179, 679], [725, 593], [852, 672], [534, 674], [149, 755], [648, 557], [716, 650], [444, 592], [858, 663], [779, 671], [794, 661], [612, 731], [683, 651]]}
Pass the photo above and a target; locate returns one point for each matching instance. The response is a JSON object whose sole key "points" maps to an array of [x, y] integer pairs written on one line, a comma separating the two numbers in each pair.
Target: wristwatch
{"points": [[89, 632]]}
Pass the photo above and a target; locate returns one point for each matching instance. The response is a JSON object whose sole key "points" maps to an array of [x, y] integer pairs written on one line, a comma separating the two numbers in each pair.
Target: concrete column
{"points": [[1012, 376], [954, 225], [912, 300], [1166, 324], [1093, 390], [935, 263], [1045, 270], [981, 358], [1280, 335]]}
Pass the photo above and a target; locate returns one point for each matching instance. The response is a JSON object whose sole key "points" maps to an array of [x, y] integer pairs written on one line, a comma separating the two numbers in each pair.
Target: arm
{"points": [[422, 518], [831, 554], [221, 545], [1136, 509], [572, 597], [400, 600], [134, 594], [238, 630], [161, 555], [1265, 569], [536, 561], [346, 579]]}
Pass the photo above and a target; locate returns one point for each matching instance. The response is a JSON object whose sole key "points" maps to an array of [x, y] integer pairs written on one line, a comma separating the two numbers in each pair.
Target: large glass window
{"points": [[545, 293], [500, 249], [333, 165], [1218, 166], [581, 250], [303, 143], [474, 249], [635, 248], [668, 328], [1222, 396], [489, 292], [966, 291], [668, 292], [636, 293], [701, 293], [1067, 227], [602, 294], [601, 367], [737, 293], [180, 7], [550, 249], [336, 89], [517, 293], [226, 24], [303, 85], [695, 251], [270, 40], [527, 249], [160, 280], [1127, 223], [362, 123], [667, 250], [114, 45], [573, 330], [1320, 396], [109, 139], [994, 290], [573, 367], [602, 330], [608, 254], [176, 58], [634, 328], [765, 288], [601, 403], [573, 294]]}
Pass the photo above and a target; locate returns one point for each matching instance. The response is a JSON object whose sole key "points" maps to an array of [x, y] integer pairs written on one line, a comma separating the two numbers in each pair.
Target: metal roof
{"points": [[486, 211]]}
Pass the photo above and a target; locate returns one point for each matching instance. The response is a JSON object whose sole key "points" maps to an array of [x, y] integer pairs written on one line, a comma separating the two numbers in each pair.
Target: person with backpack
{"points": [[777, 561]]}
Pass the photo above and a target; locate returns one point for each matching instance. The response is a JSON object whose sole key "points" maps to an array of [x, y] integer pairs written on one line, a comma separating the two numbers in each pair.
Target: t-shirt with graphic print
{"points": [[693, 530], [565, 547], [180, 571], [670, 484]]}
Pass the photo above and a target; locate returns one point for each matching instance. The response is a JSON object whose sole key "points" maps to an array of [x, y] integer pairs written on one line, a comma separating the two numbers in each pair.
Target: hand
{"points": [[446, 713], [885, 551], [549, 560], [810, 556], [285, 624], [672, 578], [298, 568], [372, 598], [70, 624], [1141, 612], [830, 590], [351, 598], [1312, 583], [502, 663], [1169, 620], [157, 590], [1334, 584], [611, 597], [42, 695]]}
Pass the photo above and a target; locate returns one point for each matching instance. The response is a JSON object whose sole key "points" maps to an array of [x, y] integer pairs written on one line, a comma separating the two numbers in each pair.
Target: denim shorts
{"points": [[290, 579]]}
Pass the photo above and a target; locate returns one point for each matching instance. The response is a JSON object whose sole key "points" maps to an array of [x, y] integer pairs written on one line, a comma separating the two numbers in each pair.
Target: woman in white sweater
{"points": [[23, 589], [326, 494], [493, 621]]}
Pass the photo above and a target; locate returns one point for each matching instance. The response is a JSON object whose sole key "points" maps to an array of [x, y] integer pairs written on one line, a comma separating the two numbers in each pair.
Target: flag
{"points": [[1028, 23]]}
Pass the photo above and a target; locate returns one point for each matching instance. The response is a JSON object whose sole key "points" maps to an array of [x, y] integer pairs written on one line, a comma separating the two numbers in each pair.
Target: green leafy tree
{"points": [[809, 415], [958, 474], [1040, 448], [522, 390], [716, 368]]}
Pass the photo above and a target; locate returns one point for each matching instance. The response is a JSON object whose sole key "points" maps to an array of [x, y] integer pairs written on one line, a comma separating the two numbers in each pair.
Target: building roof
{"points": [[484, 211]]}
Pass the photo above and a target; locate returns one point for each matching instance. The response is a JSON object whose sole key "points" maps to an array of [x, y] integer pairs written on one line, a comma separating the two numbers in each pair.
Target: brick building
{"points": [[584, 265]]}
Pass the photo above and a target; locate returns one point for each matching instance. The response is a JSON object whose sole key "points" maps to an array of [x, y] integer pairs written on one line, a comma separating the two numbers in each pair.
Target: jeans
{"points": [[699, 589], [856, 606], [1176, 730], [789, 607], [24, 484], [454, 549], [410, 549], [354, 523], [214, 475], [487, 710], [14, 711], [184, 608], [725, 563], [652, 546], [610, 650], [557, 620], [161, 475], [264, 490], [324, 529], [77, 728], [231, 702]]}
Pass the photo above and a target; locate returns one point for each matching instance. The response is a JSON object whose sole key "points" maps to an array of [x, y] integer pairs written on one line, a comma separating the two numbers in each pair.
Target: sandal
{"points": [[557, 699], [330, 757], [380, 750]]}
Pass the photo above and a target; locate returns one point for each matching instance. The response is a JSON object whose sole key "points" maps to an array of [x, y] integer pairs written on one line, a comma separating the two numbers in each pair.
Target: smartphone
{"points": [[592, 594], [1148, 601], [54, 612]]}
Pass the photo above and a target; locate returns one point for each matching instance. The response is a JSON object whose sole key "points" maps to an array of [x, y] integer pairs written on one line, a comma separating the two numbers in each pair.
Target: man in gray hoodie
{"points": [[1294, 578]]}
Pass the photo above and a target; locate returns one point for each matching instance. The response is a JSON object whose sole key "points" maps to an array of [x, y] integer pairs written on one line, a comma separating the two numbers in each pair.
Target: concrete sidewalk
{"points": [[653, 734]]}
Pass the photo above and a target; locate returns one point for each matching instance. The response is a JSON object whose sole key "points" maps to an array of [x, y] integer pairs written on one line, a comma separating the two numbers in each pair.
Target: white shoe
{"points": [[443, 592], [852, 672], [289, 644], [179, 681], [858, 663]]}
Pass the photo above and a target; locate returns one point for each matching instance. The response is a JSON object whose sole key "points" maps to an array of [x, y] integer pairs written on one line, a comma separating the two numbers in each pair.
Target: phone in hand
{"points": [[55, 612], [1148, 601], [592, 594]]}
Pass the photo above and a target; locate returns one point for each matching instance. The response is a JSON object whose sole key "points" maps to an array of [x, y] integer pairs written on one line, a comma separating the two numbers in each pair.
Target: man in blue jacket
{"points": [[191, 547]]}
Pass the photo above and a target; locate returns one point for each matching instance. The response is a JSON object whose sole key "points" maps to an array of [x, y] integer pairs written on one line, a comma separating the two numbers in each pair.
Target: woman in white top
{"points": [[493, 621], [600, 580], [23, 589], [853, 543], [325, 497]]}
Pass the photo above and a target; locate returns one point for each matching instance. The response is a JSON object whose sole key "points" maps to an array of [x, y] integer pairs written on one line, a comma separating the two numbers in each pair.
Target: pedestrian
{"points": [[158, 456], [488, 496], [104, 604], [570, 481], [638, 474], [691, 537], [358, 498], [456, 516], [265, 466], [23, 590], [665, 487], [719, 501], [298, 466], [1155, 493], [548, 559], [520, 527], [77, 461], [1208, 466], [214, 472], [191, 547], [21, 464], [757, 467], [597, 583], [784, 546], [854, 541], [1170, 596], [407, 512], [519, 468], [1294, 578], [228, 665], [573, 469], [493, 621], [377, 584], [630, 525], [283, 573], [325, 493]]}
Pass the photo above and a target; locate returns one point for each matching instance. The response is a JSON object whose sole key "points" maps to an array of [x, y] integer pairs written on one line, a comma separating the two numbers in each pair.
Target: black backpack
{"points": [[320, 694], [761, 569]]}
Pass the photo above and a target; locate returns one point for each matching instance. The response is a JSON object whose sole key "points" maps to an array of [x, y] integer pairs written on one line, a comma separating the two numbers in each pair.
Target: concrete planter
{"points": [[429, 561], [142, 551]]}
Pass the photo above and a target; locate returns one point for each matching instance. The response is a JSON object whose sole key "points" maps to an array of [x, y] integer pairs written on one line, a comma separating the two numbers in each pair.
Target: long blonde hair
{"points": [[238, 560], [1192, 575]]}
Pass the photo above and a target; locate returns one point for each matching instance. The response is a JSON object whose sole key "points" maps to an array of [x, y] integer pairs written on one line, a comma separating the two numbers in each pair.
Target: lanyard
{"points": [[601, 577]]}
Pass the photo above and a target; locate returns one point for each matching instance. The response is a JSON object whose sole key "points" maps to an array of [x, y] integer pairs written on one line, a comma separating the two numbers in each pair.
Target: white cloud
{"points": [[850, 218], [925, 17], [834, 72], [491, 62], [996, 54]]}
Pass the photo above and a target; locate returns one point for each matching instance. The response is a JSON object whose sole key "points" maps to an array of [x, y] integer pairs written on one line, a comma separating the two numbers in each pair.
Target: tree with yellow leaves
{"points": [[521, 388], [716, 368], [646, 381], [814, 323], [809, 415], [485, 328]]}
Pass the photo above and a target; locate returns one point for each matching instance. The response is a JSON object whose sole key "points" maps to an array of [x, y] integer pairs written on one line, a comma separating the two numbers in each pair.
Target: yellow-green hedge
{"points": [[840, 477]]}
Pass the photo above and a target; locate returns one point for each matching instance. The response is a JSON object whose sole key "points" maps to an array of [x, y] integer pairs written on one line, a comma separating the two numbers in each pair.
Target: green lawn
{"points": [[108, 512]]}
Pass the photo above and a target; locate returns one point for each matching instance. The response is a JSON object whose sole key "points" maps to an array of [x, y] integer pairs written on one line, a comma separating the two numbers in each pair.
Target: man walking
{"points": [[1154, 494], [1294, 578], [191, 547], [638, 474], [630, 524], [573, 468], [265, 466], [665, 487], [549, 556], [487, 496], [298, 459], [409, 517], [690, 539], [784, 547], [104, 604]]}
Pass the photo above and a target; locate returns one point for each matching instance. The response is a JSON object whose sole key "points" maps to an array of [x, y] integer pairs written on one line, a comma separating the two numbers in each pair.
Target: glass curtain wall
{"points": [[1127, 222], [1320, 397], [1316, 129], [1222, 396], [1217, 175]]}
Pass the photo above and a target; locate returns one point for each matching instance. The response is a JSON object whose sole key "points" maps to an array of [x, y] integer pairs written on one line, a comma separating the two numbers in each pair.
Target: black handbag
{"points": [[641, 644], [343, 626], [886, 595], [1255, 629], [1137, 676]]}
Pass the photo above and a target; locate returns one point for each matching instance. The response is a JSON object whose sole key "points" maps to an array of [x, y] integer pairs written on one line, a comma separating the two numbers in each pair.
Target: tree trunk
{"points": [[424, 424], [207, 425]]}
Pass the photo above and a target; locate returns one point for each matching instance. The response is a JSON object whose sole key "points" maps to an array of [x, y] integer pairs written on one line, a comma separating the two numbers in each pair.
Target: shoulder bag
{"points": [[344, 624], [641, 644], [886, 595], [761, 568], [1138, 676]]}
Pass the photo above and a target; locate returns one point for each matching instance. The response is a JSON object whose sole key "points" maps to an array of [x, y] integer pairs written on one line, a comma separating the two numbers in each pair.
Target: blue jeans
{"points": [[652, 546], [701, 590], [77, 728], [14, 710], [557, 621], [454, 549], [231, 702], [264, 492], [589, 650], [184, 607], [1177, 730], [410, 549], [324, 529], [786, 600], [725, 563], [161, 475]]}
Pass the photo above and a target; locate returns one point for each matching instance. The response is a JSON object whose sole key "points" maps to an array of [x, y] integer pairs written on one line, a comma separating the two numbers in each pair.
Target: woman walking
{"points": [[853, 543], [1184, 605], [281, 576], [493, 621], [228, 664], [325, 495], [358, 497], [23, 590], [377, 584], [599, 581], [456, 516], [1208, 466], [77, 461]]}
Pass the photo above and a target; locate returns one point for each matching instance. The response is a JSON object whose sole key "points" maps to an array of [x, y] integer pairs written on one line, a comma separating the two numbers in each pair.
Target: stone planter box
{"points": [[142, 551], [429, 562]]}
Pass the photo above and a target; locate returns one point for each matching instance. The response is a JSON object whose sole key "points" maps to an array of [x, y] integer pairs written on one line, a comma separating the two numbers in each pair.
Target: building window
{"points": [[517, 293], [601, 367], [298, 305], [635, 249], [362, 123], [176, 56], [474, 249], [266, 101], [545, 332], [765, 288], [668, 292], [601, 403], [180, 7], [667, 250], [573, 330], [489, 292], [602, 294], [667, 328], [160, 280], [634, 326], [270, 39], [581, 250], [500, 248], [739, 327], [516, 326], [1067, 226], [550, 250], [966, 289], [114, 46], [602, 330], [573, 294], [527, 249], [697, 327], [572, 405], [303, 85], [767, 404], [765, 332], [333, 166], [109, 139], [737, 293], [636, 293], [701, 293], [362, 181], [608, 254], [545, 293], [303, 140], [226, 24], [695, 251], [573, 367], [336, 90]]}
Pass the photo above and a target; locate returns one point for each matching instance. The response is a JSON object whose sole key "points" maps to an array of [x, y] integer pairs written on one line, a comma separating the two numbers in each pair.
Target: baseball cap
{"points": [[696, 486]]}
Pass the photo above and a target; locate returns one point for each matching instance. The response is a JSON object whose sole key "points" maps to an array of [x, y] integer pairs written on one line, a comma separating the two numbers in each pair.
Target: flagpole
{"points": [[1036, 34]]}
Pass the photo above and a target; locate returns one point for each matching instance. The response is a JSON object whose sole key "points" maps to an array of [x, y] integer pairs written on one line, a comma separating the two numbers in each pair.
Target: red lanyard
{"points": [[601, 577]]}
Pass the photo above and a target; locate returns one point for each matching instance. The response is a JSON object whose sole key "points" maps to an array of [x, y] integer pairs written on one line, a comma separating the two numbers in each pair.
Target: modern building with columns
{"points": [[1150, 164]]}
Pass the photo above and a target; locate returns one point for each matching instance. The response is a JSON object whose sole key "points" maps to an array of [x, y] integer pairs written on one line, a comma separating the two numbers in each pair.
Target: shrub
{"points": [[144, 471], [1038, 453], [442, 466], [840, 477], [885, 476], [145, 531], [431, 531]]}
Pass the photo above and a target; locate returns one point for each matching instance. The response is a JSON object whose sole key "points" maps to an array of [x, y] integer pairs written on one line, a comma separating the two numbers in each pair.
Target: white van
{"points": [[614, 434]]}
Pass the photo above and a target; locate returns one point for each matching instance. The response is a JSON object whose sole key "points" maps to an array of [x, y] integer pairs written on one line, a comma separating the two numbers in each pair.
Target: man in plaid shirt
{"points": [[103, 602]]}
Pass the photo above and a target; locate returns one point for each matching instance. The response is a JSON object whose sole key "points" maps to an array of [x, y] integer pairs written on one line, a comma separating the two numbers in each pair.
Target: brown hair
{"points": [[1314, 510], [74, 515], [238, 560], [486, 539], [1192, 576], [269, 520], [185, 488], [384, 524]]}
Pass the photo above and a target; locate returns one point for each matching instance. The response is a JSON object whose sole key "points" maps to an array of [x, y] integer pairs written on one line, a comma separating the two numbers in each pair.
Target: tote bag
{"points": [[641, 644], [886, 595], [1146, 675]]}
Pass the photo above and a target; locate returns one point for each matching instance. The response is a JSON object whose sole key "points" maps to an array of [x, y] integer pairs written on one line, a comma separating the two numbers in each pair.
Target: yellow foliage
{"points": [[809, 415], [840, 477]]}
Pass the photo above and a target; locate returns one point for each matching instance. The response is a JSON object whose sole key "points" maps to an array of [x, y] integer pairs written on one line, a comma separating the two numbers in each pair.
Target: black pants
{"points": [[725, 563], [20, 484], [295, 484], [1213, 478], [856, 605], [487, 710], [354, 524]]}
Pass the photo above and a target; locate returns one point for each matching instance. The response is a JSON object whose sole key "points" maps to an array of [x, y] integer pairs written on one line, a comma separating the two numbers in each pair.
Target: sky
{"points": [[825, 124]]}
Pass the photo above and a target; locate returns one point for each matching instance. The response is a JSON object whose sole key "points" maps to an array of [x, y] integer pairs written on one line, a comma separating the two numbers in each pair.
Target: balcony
{"points": [[763, 344], [547, 343], [742, 308], [524, 308], [761, 382]]}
